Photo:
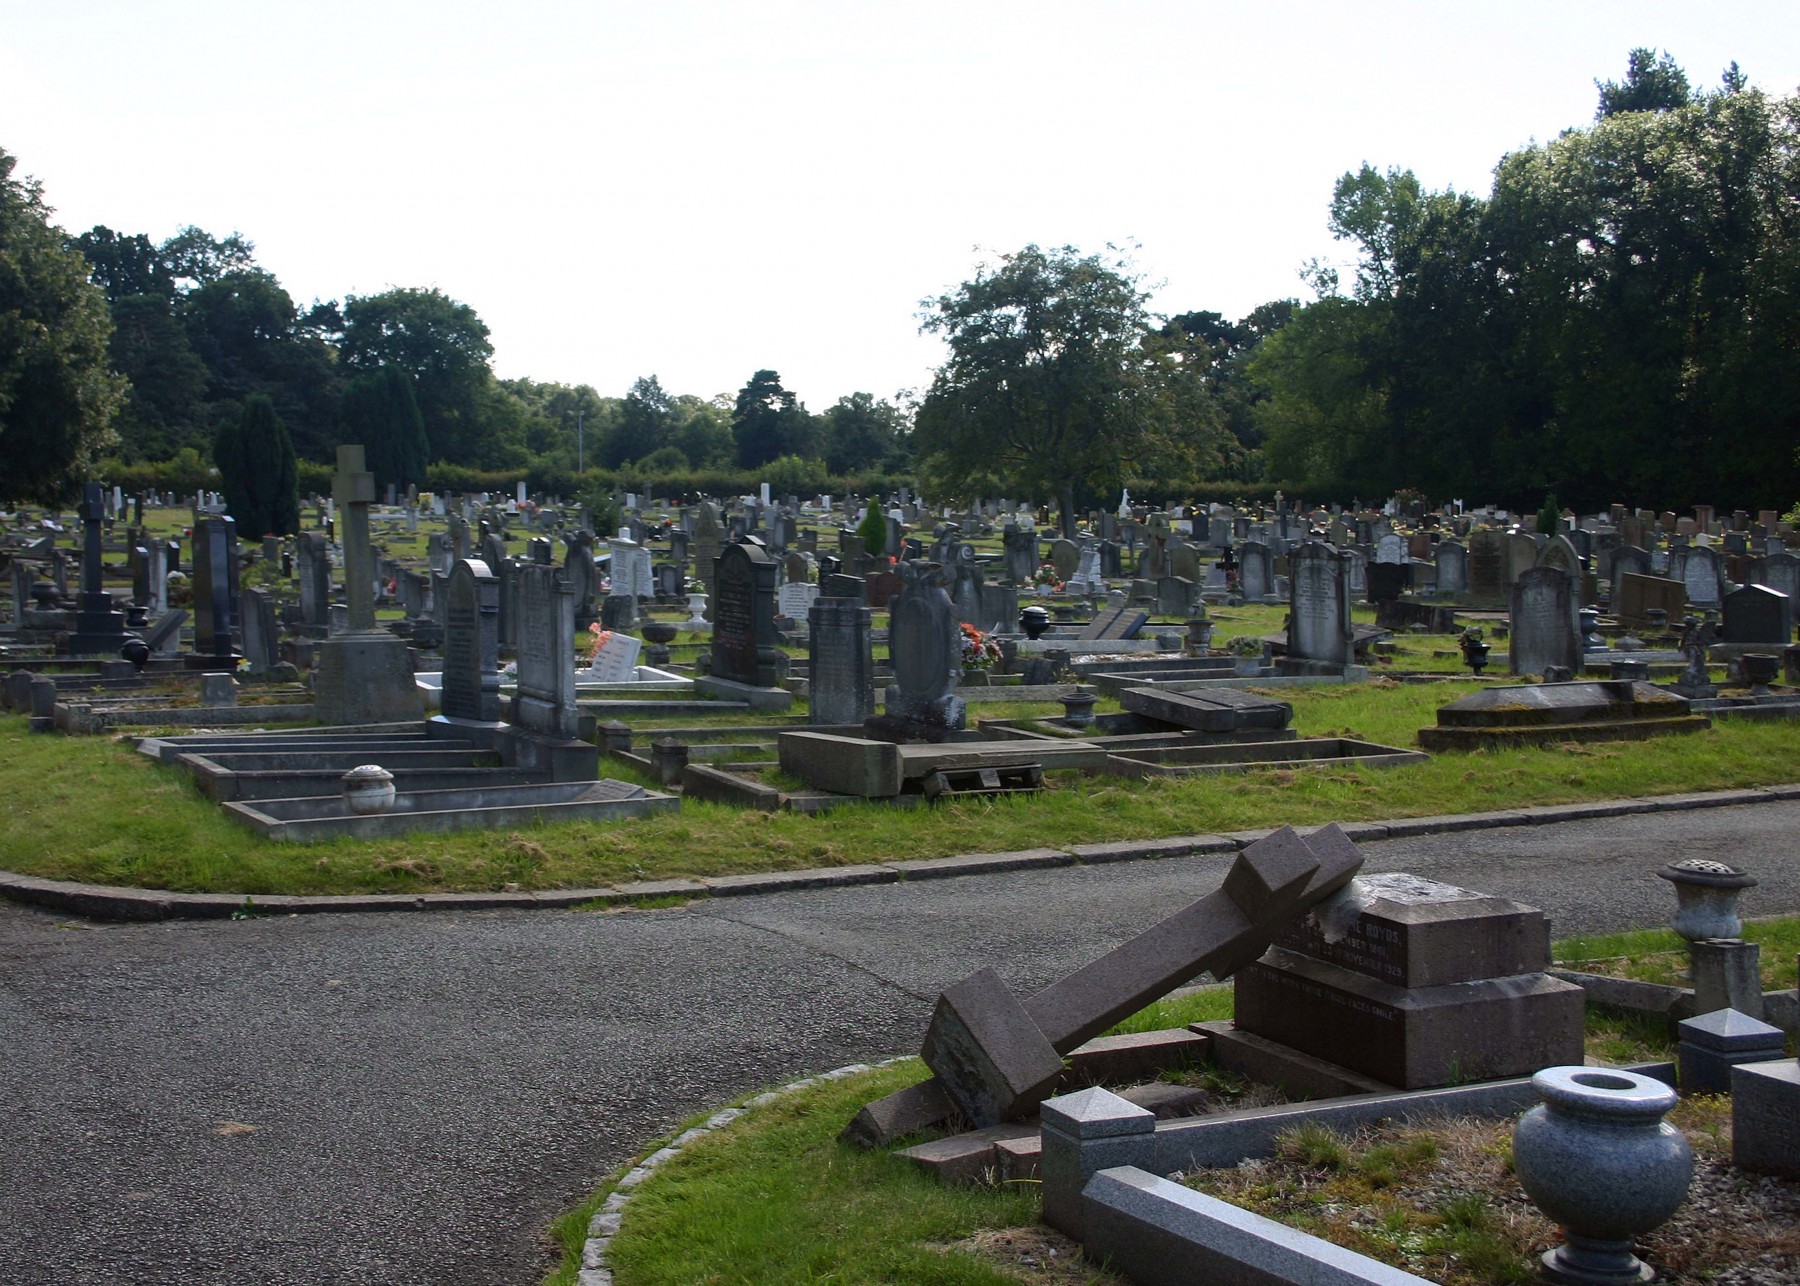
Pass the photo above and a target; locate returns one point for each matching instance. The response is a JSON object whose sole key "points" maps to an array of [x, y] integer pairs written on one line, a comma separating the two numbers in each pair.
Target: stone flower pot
{"points": [[1597, 1157], [368, 788]]}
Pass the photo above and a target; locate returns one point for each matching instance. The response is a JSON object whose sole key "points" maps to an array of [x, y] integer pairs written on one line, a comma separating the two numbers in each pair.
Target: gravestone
{"points": [[260, 632], [1065, 556], [215, 588], [99, 626], [1318, 606], [471, 678], [1391, 548], [363, 675], [1176, 596], [1757, 614], [1521, 555], [842, 661], [1183, 559], [925, 647], [1487, 565], [1559, 552], [1543, 623], [1429, 985], [1087, 578], [1703, 576], [545, 700], [615, 659], [795, 599], [707, 543], [1452, 567], [1256, 571], [996, 1056], [1020, 544], [1777, 571], [314, 564], [583, 577], [747, 665], [1639, 595], [1627, 560]]}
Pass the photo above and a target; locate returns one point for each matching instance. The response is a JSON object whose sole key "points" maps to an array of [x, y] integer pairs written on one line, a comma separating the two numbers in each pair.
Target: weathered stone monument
{"points": [[842, 661], [995, 1057], [215, 570], [1429, 985], [925, 643], [1543, 630], [471, 681], [99, 626], [1318, 606], [364, 674], [747, 665], [1256, 570]]}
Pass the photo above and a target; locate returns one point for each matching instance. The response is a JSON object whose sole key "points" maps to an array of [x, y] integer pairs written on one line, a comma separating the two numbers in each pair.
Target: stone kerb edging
{"points": [[107, 902], [604, 1226]]}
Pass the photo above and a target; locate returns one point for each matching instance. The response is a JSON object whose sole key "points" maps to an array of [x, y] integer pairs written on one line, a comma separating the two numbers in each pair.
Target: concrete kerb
{"points": [[604, 1225], [106, 902]]}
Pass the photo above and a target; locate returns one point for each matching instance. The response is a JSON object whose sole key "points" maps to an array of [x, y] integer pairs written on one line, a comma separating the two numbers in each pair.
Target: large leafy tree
{"points": [[257, 472], [1616, 320], [57, 393], [380, 412], [444, 346], [862, 433], [768, 422], [1049, 389], [643, 426]]}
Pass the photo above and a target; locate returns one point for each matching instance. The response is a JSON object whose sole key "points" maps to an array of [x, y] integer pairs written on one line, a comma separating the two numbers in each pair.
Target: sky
{"points": [[701, 190]]}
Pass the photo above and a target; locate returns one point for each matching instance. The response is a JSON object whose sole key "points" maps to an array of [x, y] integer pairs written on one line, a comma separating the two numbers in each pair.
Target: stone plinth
{"points": [[1431, 985], [1765, 1117], [365, 676], [1532, 714]]}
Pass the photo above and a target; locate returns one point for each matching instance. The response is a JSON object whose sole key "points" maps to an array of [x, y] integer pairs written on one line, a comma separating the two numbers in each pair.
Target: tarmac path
{"points": [[411, 1098]]}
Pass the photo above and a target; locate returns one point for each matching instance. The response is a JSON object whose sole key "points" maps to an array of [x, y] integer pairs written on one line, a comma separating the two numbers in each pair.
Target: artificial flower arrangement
{"points": [[1046, 576], [1244, 645], [598, 638], [979, 651]]}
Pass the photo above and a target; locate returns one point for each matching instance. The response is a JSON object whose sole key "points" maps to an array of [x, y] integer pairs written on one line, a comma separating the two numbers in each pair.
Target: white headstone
{"points": [[615, 660]]}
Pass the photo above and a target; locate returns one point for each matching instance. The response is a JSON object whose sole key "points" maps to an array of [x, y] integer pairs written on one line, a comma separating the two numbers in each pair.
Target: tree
{"points": [[381, 413], [860, 433], [257, 472], [767, 421], [444, 346], [1653, 83], [57, 395], [1049, 388], [643, 426]]}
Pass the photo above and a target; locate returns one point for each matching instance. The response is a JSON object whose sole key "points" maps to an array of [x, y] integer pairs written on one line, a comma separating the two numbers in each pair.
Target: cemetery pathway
{"points": [[405, 1098]]}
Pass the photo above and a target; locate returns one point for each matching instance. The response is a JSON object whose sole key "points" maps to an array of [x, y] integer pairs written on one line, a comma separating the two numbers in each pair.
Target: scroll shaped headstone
{"points": [[996, 1056]]}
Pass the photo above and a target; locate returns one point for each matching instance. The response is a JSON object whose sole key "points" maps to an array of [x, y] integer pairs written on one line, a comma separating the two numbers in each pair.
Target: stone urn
{"points": [[1760, 669], [1706, 897], [696, 622], [368, 788], [1475, 655], [1034, 621], [1597, 1157], [658, 634], [1078, 706]]}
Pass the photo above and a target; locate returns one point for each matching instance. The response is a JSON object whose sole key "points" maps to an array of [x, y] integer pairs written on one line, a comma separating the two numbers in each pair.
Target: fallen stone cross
{"points": [[995, 1057]]}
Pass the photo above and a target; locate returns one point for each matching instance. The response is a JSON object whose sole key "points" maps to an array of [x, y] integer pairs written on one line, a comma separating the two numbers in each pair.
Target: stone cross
{"points": [[996, 1057], [354, 489]]}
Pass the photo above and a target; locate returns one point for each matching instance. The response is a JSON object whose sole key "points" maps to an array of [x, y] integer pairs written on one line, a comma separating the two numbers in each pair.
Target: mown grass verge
{"points": [[92, 809]]}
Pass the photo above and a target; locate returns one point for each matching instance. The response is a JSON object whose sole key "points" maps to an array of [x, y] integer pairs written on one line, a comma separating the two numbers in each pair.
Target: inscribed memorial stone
{"points": [[1543, 630]]}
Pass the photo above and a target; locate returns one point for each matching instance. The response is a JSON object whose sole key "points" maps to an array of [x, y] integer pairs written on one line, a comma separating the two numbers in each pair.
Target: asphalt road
{"points": [[407, 1098]]}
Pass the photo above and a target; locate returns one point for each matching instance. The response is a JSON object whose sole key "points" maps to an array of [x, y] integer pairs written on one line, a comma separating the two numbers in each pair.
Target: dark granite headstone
{"points": [[842, 661], [215, 585], [1757, 614], [1318, 606], [471, 678], [743, 644]]}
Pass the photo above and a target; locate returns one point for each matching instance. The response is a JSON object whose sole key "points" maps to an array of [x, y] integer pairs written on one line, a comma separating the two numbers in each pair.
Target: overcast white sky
{"points": [[698, 190]]}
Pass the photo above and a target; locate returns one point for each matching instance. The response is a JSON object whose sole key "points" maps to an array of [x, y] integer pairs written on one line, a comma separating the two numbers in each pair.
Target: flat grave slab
{"points": [[1539, 713], [1214, 710], [1238, 757], [328, 817]]}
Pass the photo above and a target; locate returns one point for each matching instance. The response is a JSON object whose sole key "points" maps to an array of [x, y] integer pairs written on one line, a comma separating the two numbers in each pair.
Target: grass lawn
{"points": [[155, 830]]}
